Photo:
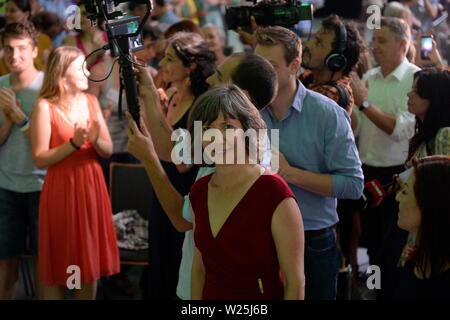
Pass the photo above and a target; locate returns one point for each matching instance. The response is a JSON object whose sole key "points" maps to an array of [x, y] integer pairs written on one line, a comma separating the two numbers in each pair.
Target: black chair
{"points": [[130, 189]]}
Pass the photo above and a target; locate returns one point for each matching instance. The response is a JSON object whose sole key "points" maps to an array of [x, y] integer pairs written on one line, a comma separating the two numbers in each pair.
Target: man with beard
{"points": [[329, 58]]}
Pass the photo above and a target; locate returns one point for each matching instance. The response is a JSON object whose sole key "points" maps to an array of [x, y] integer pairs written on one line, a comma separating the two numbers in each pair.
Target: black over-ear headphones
{"points": [[336, 61]]}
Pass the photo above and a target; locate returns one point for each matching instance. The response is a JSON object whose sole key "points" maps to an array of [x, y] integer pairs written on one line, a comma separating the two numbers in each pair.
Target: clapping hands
{"points": [[79, 135], [9, 105], [93, 131], [89, 133]]}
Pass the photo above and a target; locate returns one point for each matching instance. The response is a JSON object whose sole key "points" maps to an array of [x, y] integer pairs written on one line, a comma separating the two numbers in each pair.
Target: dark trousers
{"points": [[383, 239], [321, 266]]}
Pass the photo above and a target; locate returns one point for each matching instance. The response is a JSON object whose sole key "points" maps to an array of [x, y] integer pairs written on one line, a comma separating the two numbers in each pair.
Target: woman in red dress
{"points": [[76, 232], [248, 228]]}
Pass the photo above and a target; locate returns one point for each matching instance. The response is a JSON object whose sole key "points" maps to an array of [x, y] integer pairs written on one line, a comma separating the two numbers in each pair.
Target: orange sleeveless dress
{"points": [[75, 217]]}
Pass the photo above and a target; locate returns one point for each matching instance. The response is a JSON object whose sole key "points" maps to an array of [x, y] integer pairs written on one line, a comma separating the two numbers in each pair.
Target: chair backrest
{"points": [[130, 188]]}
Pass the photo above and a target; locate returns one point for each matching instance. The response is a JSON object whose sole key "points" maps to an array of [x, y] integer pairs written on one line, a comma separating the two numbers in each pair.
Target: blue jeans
{"points": [[322, 263]]}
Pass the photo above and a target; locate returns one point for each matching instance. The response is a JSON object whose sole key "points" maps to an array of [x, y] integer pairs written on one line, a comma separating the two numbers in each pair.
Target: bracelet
{"points": [[73, 144], [24, 122], [25, 127]]}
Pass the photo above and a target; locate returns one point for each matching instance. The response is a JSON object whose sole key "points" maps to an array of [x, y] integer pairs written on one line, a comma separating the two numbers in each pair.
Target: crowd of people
{"points": [[349, 106]]}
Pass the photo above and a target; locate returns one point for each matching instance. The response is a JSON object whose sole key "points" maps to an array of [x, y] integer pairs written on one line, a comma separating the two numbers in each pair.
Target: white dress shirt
{"points": [[376, 147]]}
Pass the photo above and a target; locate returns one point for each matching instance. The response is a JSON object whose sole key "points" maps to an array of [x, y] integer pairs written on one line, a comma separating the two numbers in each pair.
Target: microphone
{"points": [[373, 194]]}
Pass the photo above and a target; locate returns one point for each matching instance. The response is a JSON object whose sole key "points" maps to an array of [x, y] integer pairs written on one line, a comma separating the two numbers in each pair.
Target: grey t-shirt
{"points": [[17, 170]]}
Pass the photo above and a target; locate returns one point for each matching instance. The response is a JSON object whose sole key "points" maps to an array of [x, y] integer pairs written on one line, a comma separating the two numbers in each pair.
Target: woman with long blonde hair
{"points": [[77, 242]]}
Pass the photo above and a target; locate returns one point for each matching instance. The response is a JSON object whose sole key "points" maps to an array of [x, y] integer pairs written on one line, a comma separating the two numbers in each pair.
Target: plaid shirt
{"points": [[307, 78]]}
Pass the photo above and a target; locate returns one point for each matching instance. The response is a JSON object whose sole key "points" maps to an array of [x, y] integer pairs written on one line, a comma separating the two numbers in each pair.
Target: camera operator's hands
{"points": [[248, 38], [147, 87], [164, 99], [140, 143]]}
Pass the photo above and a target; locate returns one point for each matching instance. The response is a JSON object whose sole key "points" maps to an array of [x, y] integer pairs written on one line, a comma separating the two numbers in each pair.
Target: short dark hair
{"points": [[161, 3], [148, 31], [24, 29], [45, 20], [132, 5], [274, 35], [232, 103], [182, 26], [354, 45], [257, 76], [23, 5]]}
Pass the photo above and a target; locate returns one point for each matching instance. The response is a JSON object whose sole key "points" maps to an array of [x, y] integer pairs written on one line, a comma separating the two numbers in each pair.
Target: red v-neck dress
{"points": [[75, 218], [241, 261]]}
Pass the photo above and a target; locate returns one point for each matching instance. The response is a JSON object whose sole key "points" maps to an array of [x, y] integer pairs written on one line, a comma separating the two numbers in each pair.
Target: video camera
{"points": [[124, 37], [269, 13]]}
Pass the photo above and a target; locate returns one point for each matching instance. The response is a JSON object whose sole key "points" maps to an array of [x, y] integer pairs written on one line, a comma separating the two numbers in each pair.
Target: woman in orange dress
{"points": [[77, 242]]}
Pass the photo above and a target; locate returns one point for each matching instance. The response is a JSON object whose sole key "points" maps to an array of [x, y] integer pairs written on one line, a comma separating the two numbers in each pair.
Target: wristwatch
{"points": [[364, 105]]}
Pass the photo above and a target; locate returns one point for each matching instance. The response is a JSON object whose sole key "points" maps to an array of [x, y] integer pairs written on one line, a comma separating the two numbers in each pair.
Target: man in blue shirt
{"points": [[318, 157], [163, 13], [60, 7]]}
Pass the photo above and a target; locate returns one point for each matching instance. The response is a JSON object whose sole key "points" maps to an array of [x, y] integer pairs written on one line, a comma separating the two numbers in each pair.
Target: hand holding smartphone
{"points": [[426, 45]]}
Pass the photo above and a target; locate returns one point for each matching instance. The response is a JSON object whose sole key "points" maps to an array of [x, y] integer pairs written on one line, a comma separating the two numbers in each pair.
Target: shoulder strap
{"points": [[344, 98]]}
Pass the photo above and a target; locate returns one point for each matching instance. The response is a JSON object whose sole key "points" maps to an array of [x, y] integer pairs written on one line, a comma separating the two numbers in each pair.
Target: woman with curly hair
{"points": [[186, 65]]}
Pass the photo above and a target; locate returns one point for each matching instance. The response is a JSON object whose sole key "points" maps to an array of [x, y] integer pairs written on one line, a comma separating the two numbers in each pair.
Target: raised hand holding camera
{"points": [[124, 37]]}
